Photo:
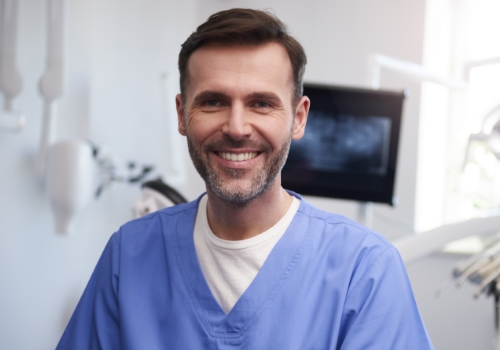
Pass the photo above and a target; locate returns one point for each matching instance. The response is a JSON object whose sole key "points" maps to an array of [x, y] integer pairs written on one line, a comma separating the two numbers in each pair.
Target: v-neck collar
{"points": [[261, 292]]}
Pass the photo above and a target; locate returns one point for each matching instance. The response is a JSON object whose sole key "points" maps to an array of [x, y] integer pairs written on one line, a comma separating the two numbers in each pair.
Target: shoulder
{"points": [[158, 223], [345, 243], [339, 228], [379, 309]]}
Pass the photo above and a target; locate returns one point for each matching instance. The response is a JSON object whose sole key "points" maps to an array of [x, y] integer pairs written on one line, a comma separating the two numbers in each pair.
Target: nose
{"points": [[236, 126]]}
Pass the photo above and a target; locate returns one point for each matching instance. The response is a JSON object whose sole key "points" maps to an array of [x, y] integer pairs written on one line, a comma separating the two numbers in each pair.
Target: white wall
{"points": [[117, 50]]}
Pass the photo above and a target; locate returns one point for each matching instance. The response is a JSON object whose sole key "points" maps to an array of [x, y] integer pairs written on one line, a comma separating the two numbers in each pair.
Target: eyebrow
{"points": [[209, 95], [266, 95], [217, 95]]}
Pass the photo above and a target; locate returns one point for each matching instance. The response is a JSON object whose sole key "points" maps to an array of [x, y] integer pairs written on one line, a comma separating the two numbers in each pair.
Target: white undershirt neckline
{"points": [[229, 267]]}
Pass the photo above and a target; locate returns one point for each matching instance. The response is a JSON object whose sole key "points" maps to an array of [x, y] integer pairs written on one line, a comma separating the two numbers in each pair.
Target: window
{"points": [[458, 32]]}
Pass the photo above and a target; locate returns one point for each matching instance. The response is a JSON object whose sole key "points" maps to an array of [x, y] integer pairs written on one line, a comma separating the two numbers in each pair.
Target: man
{"points": [[248, 265]]}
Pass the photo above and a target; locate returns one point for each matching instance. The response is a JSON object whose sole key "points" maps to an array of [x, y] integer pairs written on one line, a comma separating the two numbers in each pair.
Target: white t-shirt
{"points": [[230, 266]]}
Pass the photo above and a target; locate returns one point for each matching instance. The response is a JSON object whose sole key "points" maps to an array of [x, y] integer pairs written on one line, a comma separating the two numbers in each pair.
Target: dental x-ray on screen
{"points": [[349, 148]]}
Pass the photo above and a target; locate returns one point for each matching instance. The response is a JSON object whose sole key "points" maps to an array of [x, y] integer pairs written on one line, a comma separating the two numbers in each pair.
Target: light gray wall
{"points": [[454, 320], [117, 50]]}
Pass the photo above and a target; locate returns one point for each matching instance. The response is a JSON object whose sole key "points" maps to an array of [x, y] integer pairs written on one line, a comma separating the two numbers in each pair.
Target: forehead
{"points": [[240, 69]]}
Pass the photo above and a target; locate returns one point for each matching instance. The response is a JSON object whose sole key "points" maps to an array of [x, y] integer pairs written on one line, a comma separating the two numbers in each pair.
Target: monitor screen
{"points": [[350, 144]]}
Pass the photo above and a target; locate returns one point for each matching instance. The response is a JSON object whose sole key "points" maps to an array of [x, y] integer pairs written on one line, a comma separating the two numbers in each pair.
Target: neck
{"points": [[236, 223]]}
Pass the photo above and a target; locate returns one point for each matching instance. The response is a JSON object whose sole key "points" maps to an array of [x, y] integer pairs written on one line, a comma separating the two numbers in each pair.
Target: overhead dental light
{"points": [[480, 180], [492, 138]]}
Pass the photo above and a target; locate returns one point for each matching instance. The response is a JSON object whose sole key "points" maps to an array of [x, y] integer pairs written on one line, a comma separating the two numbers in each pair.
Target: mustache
{"points": [[228, 142]]}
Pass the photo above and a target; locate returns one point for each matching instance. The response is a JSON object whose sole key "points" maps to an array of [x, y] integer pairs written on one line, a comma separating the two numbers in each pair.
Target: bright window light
{"points": [[458, 32]]}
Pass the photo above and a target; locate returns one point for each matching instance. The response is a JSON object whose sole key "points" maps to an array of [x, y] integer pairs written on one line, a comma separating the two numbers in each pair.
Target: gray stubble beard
{"points": [[260, 183]]}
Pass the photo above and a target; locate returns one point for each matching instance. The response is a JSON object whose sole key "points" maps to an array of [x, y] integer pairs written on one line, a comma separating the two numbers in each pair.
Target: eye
{"points": [[212, 103], [262, 104]]}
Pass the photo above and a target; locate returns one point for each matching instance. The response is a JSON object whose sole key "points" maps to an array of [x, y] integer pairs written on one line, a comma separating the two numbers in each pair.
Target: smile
{"points": [[237, 157]]}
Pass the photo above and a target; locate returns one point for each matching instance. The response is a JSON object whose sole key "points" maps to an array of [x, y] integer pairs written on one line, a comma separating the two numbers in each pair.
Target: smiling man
{"points": [[239, 114], [248, 265]]}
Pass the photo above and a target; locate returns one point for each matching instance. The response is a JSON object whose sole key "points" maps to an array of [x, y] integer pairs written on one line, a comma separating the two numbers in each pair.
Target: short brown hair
{"points": [[244, 27]]}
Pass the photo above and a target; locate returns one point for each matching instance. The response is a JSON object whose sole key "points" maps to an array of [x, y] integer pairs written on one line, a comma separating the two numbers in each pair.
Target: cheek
{"points": [[275, 130], [199, 127]]}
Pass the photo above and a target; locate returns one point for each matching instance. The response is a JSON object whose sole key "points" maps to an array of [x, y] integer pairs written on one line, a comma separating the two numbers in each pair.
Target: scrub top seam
{"points": [[347, 223], [192, 297]]}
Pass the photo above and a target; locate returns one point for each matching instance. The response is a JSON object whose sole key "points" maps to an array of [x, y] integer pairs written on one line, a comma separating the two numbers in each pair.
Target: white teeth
{"points": [[237, 157]]}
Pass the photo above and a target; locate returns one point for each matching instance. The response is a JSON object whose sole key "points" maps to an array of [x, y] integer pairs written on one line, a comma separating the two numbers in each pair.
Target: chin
{"points": [[241, 195]]}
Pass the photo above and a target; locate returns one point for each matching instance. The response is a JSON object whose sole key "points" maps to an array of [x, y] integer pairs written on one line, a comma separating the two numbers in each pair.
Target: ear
{"points": [[301, 113], [180, 119]]}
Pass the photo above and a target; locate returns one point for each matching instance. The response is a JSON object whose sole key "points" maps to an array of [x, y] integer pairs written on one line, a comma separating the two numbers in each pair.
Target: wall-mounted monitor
{"points": [[350, 145]]}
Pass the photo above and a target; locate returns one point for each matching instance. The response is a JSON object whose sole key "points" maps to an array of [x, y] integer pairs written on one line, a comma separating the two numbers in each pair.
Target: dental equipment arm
{"points": [[156, 195], [409, 69], [419, 73], [52, 81], [10, 78], [420, 245]]}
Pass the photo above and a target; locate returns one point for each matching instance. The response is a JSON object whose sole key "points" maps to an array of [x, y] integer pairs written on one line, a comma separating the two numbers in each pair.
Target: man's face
{"points": [[239, 119]]}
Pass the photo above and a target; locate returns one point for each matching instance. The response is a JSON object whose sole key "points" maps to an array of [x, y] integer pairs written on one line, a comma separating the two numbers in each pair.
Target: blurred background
{"points": [[120, 71]]}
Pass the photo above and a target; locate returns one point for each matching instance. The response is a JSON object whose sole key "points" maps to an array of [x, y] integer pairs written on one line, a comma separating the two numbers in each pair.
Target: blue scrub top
{"points": [[329, 283]]}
